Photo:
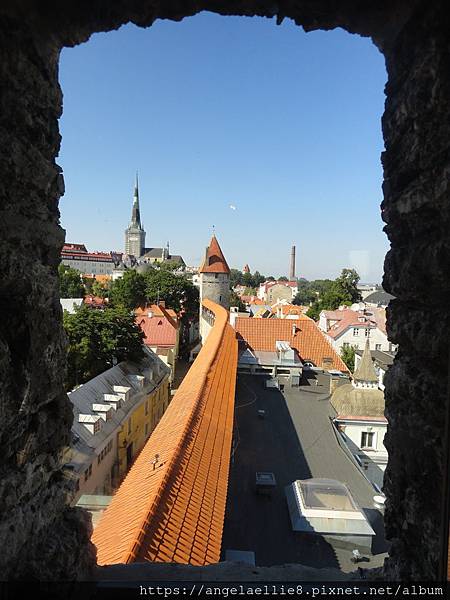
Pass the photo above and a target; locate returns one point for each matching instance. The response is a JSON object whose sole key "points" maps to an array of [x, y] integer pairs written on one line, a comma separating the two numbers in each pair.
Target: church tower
{"points": [[135, 234], [214, 280]]}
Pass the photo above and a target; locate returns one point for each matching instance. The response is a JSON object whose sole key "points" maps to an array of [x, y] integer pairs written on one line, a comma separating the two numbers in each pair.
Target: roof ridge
{"points": [[185, 413]]}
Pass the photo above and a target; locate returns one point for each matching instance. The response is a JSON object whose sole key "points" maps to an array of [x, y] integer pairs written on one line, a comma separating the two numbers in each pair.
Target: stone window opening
{"points": [[413, 39]]}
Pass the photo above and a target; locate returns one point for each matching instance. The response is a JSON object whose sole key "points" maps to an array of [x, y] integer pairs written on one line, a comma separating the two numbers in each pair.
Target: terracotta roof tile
{"points": [[157, 310], [158, 331], [302, 334], [175, 513]]}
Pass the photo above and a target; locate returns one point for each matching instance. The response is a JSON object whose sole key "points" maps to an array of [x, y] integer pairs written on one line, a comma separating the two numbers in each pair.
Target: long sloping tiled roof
{"points": [[302, 334], [214, 260], [175, 512]]}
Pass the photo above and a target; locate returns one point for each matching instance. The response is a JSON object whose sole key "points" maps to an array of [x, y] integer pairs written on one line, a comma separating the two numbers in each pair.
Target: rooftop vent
{"points": [[114, 400], [122, 391], [104, 410], [93, 423], [137, 380]]}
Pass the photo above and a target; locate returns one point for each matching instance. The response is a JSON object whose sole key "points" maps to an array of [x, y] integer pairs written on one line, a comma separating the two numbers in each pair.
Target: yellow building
{"points": [[140, 423], [114, 415]]}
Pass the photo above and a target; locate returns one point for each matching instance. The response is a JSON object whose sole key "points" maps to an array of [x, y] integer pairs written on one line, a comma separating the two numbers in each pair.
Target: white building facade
{"points": [[353, 326]]}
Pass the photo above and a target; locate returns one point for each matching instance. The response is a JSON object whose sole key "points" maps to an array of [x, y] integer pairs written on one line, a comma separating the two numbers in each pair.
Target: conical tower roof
{"points": [[365, 370], [214, 259], [135, 212]]}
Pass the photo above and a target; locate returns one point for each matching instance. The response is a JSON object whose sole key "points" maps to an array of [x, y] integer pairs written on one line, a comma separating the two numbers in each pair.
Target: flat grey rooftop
{"points": [[295, 440]]}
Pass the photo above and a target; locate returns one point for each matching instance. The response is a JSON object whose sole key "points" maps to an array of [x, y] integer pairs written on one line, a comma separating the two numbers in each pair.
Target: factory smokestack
{"points": [[292, 270]]}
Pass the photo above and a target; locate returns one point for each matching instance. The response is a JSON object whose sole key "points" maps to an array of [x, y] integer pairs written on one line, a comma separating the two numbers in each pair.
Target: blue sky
{"points": [[217, 111]]}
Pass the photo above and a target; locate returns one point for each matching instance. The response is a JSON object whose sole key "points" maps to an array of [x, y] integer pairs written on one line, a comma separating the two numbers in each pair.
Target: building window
{"points": [[146, 429], [355, 331], [377, 346], [146, 407], [88, 473], [129, 426], [367, 332], [367, 439]]}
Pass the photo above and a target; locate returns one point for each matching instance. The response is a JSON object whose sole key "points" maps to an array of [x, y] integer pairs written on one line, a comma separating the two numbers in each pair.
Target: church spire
{"points": [[136, 213], [365, 373]]}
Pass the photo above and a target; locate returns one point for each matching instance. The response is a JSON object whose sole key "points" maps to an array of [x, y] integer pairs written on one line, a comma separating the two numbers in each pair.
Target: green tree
{"points": [[88, 283], [170, 265], [332, 294], [346, 285], [283, 278], [257, 279], [70, 282], [177, 292], [247, 280], [100, 289], [236, 301], [235, 277], [348, 356], [97, 340], [129, 291], [321, 286], [313, 311], [305, 294]]}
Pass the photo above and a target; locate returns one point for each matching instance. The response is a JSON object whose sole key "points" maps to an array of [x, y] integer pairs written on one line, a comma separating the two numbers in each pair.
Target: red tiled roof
{"points": [[95, 256], [95, 301], [302, 334], [347, 317], [74, 248], [268, 284], [175, 512], [159, 311], [158, 331], [291, 309], [214, 261], [252, 300]]}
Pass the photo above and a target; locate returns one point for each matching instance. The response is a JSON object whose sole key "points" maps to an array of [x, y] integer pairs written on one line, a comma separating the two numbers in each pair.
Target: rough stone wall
{"points": [[40, 536], [43, 538], [416, 208]]}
